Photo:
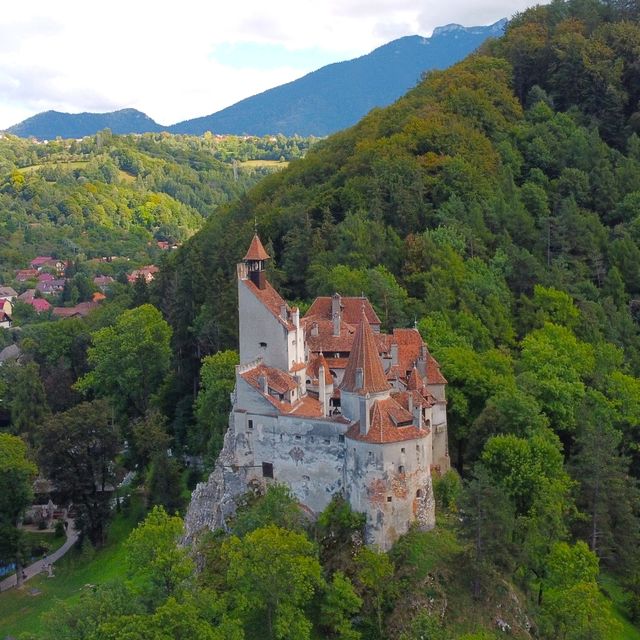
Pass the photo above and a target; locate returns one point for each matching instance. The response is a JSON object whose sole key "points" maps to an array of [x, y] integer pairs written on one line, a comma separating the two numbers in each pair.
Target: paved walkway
{"points": [[39, 566]]}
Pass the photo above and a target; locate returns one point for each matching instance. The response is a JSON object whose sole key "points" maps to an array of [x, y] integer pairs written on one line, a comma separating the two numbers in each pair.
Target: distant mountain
{"points": [[338, 95], [50, 124], [332, 98]]}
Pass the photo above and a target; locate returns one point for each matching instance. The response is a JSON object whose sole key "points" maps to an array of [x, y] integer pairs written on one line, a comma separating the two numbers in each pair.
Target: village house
{"points": [[8, 293], [146, 273], [103, 282], [80, 310], [22, 275], [328, 403]]}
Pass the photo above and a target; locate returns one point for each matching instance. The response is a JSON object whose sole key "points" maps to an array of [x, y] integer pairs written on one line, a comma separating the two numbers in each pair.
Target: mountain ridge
{"points": [[321, 102]]}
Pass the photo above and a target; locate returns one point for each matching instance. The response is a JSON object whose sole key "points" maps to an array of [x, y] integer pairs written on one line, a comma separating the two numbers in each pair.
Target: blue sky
{"points": [[176, 61]]}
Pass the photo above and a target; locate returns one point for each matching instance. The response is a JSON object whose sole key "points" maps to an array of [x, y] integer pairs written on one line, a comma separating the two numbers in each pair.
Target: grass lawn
{"points": [[271, 164], [21, 612], [71, 164], [617, 596]]}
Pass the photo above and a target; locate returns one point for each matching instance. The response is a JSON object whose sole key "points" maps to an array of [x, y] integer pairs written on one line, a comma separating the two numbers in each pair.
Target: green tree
{"points": [[165, 483], [374, 574], [217, 381], [150, 437], [17, 473], [130, 359], [28, 403], [573, 607], [487, 526], [272, 576], [77, 449], [554, 365], [606, 494], [339, 605], [154, 554], [276, 506]]}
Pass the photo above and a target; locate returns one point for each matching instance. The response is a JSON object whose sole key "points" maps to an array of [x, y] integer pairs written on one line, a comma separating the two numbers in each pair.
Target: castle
{"points": [[327, 403]]}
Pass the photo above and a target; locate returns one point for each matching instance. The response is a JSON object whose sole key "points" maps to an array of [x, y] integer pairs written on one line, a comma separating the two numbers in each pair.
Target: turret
{"points": [[255, 261]]}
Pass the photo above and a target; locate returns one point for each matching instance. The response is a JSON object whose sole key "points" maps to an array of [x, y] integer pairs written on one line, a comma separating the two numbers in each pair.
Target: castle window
{"points": [[401, 469], [298, 436], [263, 345], [267, 469], [418, 448], [402, 450], [427, 424], [389, 498], [340, 438], [419, 493], [250, 424]]}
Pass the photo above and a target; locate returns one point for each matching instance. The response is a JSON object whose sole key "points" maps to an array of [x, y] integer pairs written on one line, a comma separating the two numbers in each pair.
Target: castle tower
{"points": [[269, 329], [364, 377], [255, 260]]}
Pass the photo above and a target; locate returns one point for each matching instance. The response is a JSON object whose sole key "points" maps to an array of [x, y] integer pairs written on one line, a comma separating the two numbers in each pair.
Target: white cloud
{"points": [[157, 56]]}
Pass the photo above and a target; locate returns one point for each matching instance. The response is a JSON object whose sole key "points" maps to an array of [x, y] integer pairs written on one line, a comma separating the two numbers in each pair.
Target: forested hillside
{"points": [[498, 206], [109, 195]]}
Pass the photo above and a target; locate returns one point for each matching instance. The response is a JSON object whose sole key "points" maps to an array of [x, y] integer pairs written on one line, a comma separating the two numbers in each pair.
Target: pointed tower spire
{"points": [[415, 382], [256, 251], [364, 372], [255, 259]]}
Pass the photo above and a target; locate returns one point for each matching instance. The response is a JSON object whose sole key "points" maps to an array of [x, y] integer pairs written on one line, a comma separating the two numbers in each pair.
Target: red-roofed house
{"points": [[22, 275], [146, 273], [39, 304], [328, 403]]}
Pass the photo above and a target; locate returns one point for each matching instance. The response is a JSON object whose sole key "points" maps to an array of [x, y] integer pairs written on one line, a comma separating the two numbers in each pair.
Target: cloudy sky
{"points": [[178, 60]]}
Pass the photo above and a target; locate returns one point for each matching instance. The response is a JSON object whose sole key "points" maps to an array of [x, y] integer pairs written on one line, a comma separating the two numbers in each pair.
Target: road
{"points": [[39, 565]]}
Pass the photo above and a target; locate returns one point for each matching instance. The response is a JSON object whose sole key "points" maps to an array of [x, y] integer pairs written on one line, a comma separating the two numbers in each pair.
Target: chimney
{"points": [[421, 363], [322, 390], [314, 330], [336, 313], [410, 402], [295, 315], [394, 354], [283, 312], [262, 381], [417, 414], [258, 277], [364, 414], [359, 378]]}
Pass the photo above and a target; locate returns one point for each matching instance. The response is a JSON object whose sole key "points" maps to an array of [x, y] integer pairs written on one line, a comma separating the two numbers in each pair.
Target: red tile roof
{"points": [[364, 355], [277, 380], [385, 416], [351, 310], [281, 382], [271, 299], [82, 309], [414, 382], [314, 368], [433, 372], [308, 407], [26, 274], [39, 304], [256, 250], [325, 341], [40, 260]]}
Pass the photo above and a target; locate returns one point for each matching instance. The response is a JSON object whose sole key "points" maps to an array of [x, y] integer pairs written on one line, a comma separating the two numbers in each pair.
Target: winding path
{"points": [[39, 565]]}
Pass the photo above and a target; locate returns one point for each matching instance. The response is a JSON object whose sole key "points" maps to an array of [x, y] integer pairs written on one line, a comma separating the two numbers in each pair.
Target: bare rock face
{"points": [[213, 502]]}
